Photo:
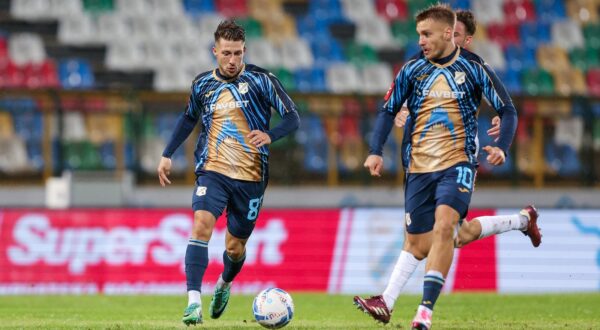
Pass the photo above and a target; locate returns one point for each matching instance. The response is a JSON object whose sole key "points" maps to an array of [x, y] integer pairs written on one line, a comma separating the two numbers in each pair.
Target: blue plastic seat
{"points": [[75, 74], [310, 80], [198, 7]]}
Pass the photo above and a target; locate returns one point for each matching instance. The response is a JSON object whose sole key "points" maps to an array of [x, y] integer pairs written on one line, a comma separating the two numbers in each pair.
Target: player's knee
{"points": [[444, 228], [235, 251]]}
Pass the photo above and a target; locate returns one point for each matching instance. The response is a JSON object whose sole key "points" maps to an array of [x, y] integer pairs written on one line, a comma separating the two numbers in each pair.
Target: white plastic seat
{"points": [[491, 53], [342, 78], [162, 8], [357, 10], [13, 155], [66, 8], [124, 55], [171, 79], [150, 147], [207, 24], [296, 54], [31, 10], [137, 8], [375, 32], [263, 53], [26, 48], [176, 28], [567, 34], [488, 11], [376, 78], [74, 128], [191, 53], [112, 27], [77, 30]]}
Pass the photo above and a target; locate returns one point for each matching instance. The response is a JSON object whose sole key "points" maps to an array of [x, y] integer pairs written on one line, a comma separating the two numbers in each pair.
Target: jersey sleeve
{"points": [[185, 124], [393, 101], [284, 106], [496, 93]]}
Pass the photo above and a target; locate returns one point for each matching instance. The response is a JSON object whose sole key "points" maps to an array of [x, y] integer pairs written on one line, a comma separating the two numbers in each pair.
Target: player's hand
{"points": [[495, 155], [494, 132], [164, 169], [374, 163], [401, 117], [259, 138]]}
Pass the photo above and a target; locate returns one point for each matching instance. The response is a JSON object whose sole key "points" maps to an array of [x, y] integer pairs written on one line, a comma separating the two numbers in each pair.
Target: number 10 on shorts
{"points": [[465, 176]]}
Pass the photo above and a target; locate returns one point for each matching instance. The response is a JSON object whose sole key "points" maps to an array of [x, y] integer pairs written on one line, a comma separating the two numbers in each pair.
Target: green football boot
{"points": [[192, 314], [219, 300]]}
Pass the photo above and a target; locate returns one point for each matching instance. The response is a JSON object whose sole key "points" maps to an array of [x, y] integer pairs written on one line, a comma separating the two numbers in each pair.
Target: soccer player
{"points": [[233, 103], [443, 86]]}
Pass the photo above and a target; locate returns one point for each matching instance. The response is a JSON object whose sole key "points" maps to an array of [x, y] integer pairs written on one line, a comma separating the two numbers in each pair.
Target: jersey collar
{"points": [[217, 75]]}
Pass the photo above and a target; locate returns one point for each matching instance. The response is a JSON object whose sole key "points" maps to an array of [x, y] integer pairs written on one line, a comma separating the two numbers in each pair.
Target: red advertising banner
{"points": [[138, 251]]}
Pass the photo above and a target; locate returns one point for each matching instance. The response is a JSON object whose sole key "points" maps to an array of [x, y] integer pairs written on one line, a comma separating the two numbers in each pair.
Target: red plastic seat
{"points": [[11, 75], [504, 34], [42, 75], [516, 11], [392, 9], [593, 82], [232, 8]]}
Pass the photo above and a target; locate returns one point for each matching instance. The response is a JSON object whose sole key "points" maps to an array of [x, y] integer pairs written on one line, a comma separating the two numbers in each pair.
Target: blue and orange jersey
{"points": [[228, 109], [443, 98]]}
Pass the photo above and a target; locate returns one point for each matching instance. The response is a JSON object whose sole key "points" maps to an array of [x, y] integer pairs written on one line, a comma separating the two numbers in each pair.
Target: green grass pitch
{"points": [[313, 311]]}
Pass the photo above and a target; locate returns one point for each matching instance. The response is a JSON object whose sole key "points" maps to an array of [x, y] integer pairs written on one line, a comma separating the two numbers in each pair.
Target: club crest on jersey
{"points": [[459, 77], [243, 88]]}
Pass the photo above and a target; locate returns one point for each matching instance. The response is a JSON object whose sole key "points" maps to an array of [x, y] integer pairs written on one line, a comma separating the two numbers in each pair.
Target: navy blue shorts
{"points": [[425, 191], [214, 192]]}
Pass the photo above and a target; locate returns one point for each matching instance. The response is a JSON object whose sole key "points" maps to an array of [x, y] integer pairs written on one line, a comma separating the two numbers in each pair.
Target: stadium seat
{"points": [[491, 52], [511, 80], [26, 48], [553, 58], [374, 31], [392, 9], [343, 78], [133, 8], [583, 12], [535, 33], [95, 7], [569, 82], [376, 78], [567, 34], [310, 80], [505, 34], [263, 53], [537, 82], [74, 128], [488, 11], [584, 58], [404, 32], [550, 10], [516, 11], [593, 82], [44, 75], [295, 54], [360, 54], [11, 75], [77, 30], [13, 155], [198, 7], [359, 10], [75, 74], [278, 28], [168, 78], [30, 10], [232, 8], [286, 77], [591, 33], [326, 50], [313, 138], [252, 26]]}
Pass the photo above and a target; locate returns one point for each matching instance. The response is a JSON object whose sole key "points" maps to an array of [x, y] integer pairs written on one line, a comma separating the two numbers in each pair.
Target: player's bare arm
{"points": [[259, 138], [164, 170], [374, 163]]}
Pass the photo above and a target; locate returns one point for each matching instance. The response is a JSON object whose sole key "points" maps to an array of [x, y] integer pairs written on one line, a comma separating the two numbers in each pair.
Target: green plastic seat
{"points": [[98, 6], [360, 54], [537, 82], [286, 77], [252, 26], [404, 32], [82, 155], [591, 33]]}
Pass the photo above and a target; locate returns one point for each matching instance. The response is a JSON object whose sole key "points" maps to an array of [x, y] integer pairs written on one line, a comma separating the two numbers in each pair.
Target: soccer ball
{"points": [[273, 308]]}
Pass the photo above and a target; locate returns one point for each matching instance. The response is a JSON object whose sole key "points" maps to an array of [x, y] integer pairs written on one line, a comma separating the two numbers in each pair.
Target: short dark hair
{"points": [[230, 30], [439, 12], [466, 17]]}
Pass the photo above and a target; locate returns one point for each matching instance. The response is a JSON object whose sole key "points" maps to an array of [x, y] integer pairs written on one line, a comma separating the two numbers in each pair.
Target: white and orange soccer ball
{"points": [[273, 308]]}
